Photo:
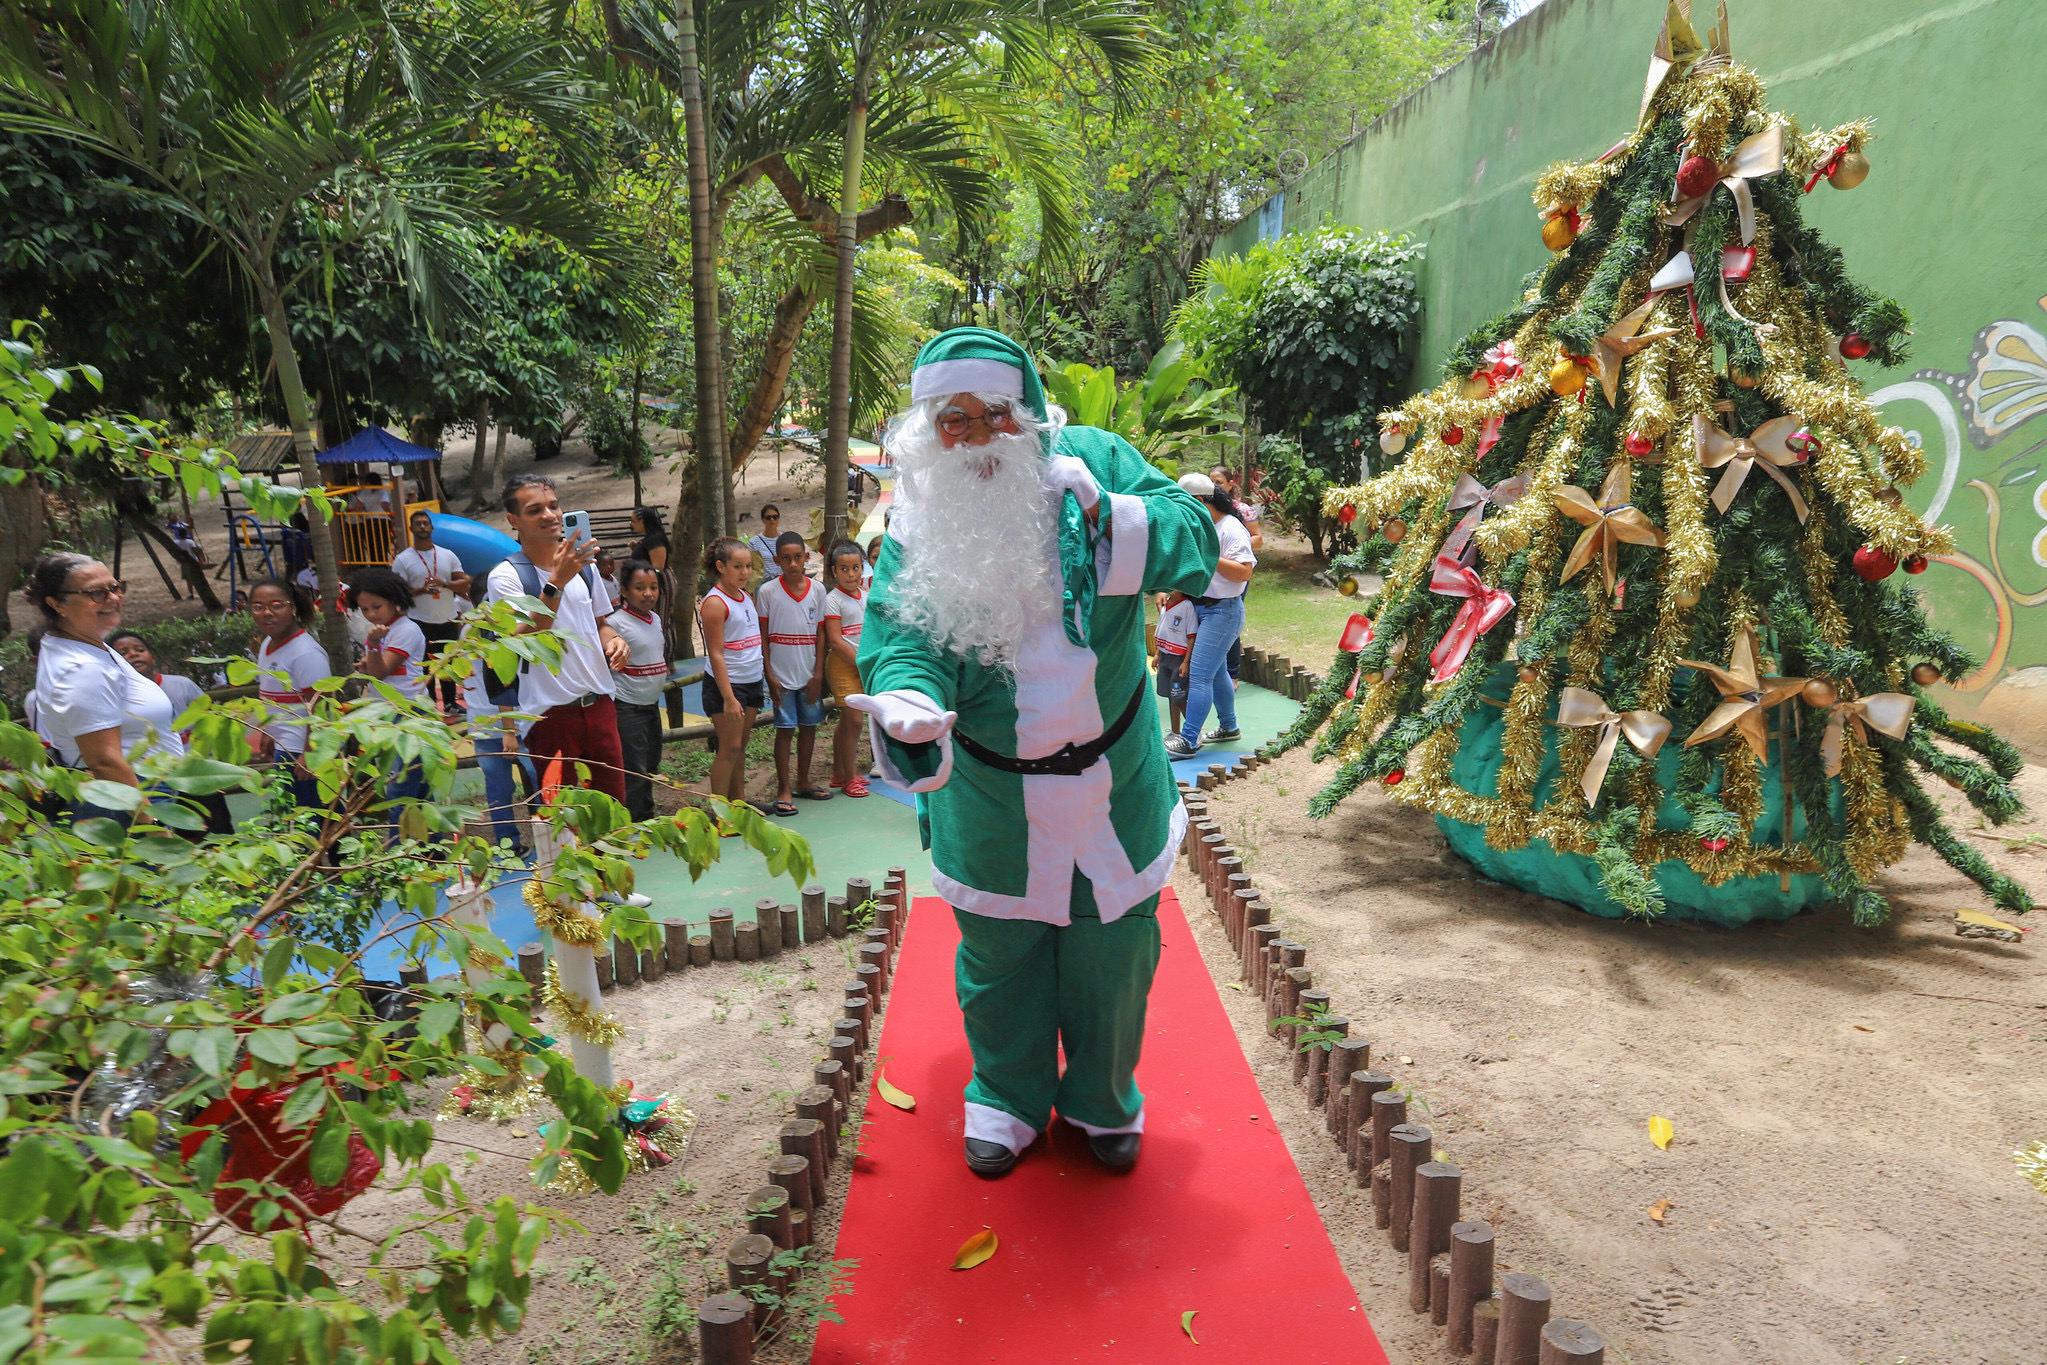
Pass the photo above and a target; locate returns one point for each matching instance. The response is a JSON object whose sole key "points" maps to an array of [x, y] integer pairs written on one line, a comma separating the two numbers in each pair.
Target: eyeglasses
{"points": [[955, 423], [100, 595]]}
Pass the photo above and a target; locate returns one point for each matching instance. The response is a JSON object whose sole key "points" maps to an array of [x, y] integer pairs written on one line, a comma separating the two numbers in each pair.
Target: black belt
{"points": [[1068, 760]]}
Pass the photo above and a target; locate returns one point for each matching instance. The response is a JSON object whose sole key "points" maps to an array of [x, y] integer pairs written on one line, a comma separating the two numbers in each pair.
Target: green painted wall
{"points": [[1950, 222]]}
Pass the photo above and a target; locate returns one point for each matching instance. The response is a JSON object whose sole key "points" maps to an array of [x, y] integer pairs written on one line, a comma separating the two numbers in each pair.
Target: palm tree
{"points": [[927, 51], [343, 118]]}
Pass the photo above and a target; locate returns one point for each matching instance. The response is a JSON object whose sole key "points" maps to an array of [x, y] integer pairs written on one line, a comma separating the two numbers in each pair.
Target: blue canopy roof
{"points": [[374, 445]]}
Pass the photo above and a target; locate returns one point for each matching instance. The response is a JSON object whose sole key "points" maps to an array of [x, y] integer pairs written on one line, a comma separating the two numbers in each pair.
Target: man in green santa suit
{"points": [[1003, 662]]}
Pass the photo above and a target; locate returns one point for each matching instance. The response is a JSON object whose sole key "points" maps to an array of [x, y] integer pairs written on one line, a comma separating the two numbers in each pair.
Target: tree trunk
{"points": [[703, 273], [23, 533], [839, 423], [638, 455], [685, 554], [778, 356], [725, 367], [479, 461], [292, 386]]}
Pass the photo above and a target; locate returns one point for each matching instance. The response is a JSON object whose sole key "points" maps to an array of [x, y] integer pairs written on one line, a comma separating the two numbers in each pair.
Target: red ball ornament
{"points": [[1713, 845], [1915, 564], [1395, 778], [1452, 435], [1346, 514], [1696, 176], [1874, 564], [1855, 346], [1638, 446]]}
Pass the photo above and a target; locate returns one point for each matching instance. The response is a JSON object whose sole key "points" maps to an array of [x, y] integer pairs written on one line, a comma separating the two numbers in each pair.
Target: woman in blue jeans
{"points": [[1220, 616]]}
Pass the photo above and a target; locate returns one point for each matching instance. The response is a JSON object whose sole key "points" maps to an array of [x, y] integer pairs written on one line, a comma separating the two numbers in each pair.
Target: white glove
{"points": [[905, 716], [1069, 475]]}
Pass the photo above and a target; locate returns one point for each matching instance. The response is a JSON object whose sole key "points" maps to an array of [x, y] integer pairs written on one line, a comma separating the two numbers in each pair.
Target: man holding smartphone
{"points": [[577, 718]]}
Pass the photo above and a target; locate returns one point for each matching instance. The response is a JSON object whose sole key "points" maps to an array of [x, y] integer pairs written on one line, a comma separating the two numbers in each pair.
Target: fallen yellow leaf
{"points": [[1661, 1207], [899, 1098], [1661, 1131], [242, 1345], [975, 1249], [1187, 1324], [1978, 917]]}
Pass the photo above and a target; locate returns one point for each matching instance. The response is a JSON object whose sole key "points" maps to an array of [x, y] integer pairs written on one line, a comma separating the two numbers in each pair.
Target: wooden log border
{"points": [[1417, 1201]]}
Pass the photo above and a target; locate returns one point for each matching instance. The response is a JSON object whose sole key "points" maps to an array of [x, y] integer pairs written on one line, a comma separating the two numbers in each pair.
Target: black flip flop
{"points": [[785, 809], [815, 794]]}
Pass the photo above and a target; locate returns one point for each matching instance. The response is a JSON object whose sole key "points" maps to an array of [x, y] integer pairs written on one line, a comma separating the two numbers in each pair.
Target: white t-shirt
{"points": [[646, 672], [583, 670], [430, 607], [309, 579], [1176, 627], [405, 638], [848, 611], [181, 690], [743, 661], [1236, 544], [790, 623], [88, 688], [613, 595], [303, 661], [763, 547]]}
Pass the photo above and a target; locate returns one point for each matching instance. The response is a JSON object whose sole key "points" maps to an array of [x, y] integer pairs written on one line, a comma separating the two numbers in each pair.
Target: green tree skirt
{"points": [[1574, 878]]}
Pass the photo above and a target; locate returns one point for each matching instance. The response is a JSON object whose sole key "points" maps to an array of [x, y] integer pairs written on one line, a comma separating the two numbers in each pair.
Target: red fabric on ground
{"points": [[1092, 1266]]}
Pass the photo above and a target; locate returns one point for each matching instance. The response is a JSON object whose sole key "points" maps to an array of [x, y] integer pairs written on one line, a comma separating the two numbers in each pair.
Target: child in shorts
{"points": [[1175, 640], [845, 607]]}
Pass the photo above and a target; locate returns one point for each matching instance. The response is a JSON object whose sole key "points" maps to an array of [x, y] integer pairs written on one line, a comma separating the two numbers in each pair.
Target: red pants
{"points": [[589, 733]]}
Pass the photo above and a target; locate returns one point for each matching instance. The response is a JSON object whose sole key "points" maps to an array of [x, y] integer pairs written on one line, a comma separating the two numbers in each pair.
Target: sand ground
{"points": [[1846, 1101]]}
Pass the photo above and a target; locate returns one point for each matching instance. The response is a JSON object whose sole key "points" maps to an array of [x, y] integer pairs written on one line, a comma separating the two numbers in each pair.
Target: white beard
{"points": [[978, 549]]}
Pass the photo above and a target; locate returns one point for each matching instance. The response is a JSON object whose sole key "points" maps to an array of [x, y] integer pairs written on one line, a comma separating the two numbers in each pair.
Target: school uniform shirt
{"points": [[88, 688], [743, 661], [582, 670], [849, 612], [302, 661], [430, 606], [1236, 544], [181, 690], [613, 594], [640, 682], [791, 623], [406, 639], [1176, 626]]}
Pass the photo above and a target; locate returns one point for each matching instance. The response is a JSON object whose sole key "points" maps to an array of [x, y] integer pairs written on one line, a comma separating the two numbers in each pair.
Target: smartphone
{"points": [[575, 527]]}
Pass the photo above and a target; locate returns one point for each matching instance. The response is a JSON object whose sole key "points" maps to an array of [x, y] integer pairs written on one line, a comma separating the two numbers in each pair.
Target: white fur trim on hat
{"points": [[1200, 485], [944, 378]]}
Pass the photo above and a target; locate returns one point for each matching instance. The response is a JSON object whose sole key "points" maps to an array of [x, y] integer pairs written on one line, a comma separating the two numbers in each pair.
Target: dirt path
{"points": [[1846, 1101]]}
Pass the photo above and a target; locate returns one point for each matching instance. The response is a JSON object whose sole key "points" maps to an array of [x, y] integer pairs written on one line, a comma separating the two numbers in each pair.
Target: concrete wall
{"points": [[1952, 221]]}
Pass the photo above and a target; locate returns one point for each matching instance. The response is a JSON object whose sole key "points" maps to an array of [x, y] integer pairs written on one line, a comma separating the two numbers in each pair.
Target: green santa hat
{"points": [[976, 360]]}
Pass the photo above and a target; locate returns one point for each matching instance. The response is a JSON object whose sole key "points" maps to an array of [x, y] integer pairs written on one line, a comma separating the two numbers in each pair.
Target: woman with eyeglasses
{"points": [[93, 704]]}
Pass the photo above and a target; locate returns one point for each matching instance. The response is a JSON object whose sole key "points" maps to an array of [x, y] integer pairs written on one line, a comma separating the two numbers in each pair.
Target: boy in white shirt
{"points": [[1175, 639], [845, 609], [792, 607], [639, 682]]}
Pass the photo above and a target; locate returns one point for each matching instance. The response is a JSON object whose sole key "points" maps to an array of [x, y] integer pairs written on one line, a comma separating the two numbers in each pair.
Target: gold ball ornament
{"points": [[1476, 387], [1393, 442], [1889, 497], [1742, 379], [1395, 530], [1347, 586], [1374, 678], [1687, 600], [1528, 673], [1820, 692], [1566, 377], [1852, 171], [1557, 234], [1926, 675]]}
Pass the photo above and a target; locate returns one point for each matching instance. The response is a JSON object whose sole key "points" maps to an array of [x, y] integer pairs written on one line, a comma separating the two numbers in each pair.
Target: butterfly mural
{"points": [[2005, 386]]}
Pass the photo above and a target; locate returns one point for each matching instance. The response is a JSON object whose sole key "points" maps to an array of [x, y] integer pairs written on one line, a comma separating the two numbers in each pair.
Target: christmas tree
{"points": [[1640, 645]]}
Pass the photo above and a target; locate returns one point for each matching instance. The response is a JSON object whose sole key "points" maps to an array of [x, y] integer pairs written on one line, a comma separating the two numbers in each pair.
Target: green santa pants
{"points": [[1026, 987]]}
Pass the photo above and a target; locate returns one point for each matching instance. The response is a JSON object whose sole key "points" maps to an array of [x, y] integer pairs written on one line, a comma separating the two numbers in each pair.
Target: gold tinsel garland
{"points": [[500, 1099], [575, 1016], [565, 922], [670, 1139]]}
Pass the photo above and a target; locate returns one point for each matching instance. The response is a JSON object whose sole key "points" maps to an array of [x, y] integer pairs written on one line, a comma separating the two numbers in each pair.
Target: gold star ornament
{"points": [[1609, 519], [1745, 696]]}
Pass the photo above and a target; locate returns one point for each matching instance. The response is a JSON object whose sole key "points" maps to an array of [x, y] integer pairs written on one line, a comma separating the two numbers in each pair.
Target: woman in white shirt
{"points": [[1219, 617], [93, 706]]}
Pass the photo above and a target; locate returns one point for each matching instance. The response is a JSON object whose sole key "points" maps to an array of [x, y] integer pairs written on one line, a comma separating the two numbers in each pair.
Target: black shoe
{"points": [[1180, 748], [1221, 736], [989, 1159], [1117, 1151]]}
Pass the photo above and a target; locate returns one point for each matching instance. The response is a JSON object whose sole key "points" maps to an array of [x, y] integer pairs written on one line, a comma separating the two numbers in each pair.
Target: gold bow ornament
{"points": [[1470, 493], [1887, 712], [1620, 342], [1609, 519], [1768, 447], [1579, 709], [1756, 156], [1744, 696]]}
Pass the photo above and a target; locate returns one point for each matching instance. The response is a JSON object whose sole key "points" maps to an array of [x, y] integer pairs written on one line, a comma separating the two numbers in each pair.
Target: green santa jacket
{"points": [[1005, 844]]}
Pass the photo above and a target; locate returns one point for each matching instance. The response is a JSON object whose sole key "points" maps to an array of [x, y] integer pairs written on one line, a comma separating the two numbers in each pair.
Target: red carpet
{"points": [[1092, 1266]]}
